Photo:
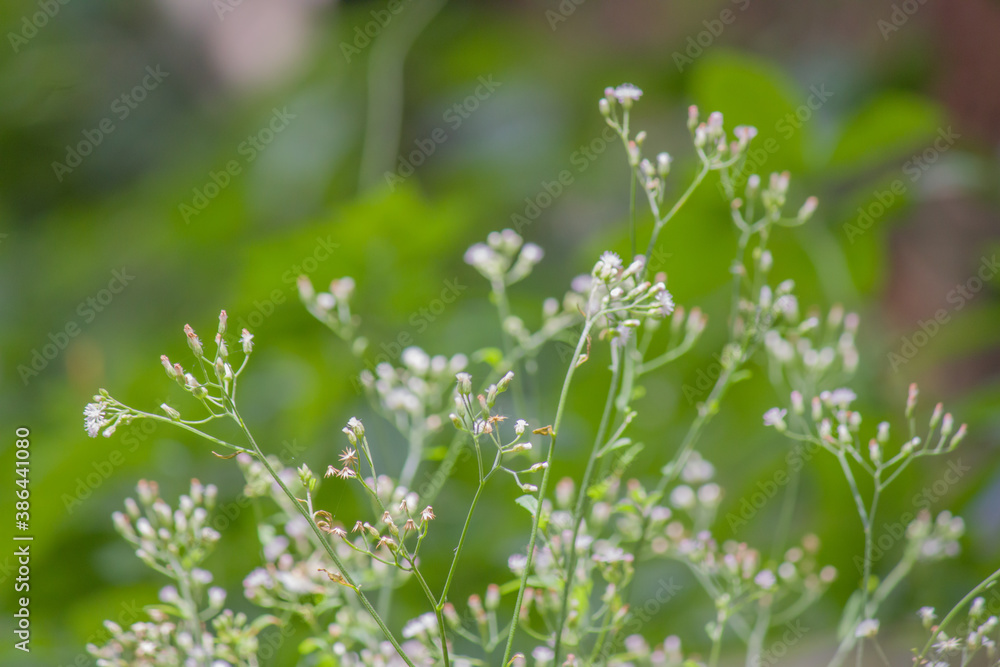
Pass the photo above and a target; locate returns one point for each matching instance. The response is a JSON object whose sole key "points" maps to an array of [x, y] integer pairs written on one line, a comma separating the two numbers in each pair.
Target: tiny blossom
{"points": [[666, 302], [867, 628], [775, 417], [682, 496], [94, 419], [765, 579], [627, 93], [519, 426], [246, 338], [427, 514], [842, 398], [613, 555]]}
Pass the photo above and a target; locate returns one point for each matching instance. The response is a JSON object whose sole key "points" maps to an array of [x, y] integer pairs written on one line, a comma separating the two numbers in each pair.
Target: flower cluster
{"points": [[505, 258], [575, 597], [162, 642], [814, 352], [714, 146], [175, 542], [413, 396], [171, 540], [978, 634], [333, 308]]}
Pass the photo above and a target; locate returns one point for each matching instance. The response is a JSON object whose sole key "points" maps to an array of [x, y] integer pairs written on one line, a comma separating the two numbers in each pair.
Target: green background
{"points": [[63, 234]]}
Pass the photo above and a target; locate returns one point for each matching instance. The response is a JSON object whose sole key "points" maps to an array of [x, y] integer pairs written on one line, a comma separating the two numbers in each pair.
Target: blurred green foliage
{"points": [[120, 208]]}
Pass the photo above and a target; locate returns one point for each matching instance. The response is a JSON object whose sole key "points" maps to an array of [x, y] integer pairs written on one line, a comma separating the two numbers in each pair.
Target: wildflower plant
{"points": [[568, 600]]}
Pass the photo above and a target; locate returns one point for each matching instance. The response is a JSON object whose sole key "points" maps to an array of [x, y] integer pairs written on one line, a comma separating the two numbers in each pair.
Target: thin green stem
{"points": [[713, 658], [320, 536], [442, 628], [581, 506], [661, 222], [386, 91], [503, 310], [554, 429], [983, 585], [461, 543], [631, 225]]}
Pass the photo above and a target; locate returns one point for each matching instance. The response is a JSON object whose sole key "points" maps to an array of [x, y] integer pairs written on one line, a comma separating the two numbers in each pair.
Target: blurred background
{"points": [[161, 160]]}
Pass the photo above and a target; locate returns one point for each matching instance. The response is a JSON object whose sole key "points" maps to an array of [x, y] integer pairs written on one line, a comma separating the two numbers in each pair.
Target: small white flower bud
{"points": [[193, 341], [246, 338], [505, 382], [808, 208], [306, 290], [464, 384], [883, 433], [663, 161]]}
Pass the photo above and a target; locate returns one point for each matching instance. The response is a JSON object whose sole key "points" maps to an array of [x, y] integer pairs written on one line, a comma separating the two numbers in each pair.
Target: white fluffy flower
{"points": [[627, 92], [247, 340], [867, 628], [94, 419]]}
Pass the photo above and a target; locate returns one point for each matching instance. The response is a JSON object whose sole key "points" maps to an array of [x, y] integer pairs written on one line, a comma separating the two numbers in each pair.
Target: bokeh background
{"points": [[855, 95]]}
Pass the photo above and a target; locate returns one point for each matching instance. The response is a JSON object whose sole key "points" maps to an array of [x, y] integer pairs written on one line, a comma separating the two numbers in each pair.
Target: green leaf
{"points": [[754, 91], [888, 127], [611, 446], [529, 503], [490, 355]]}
